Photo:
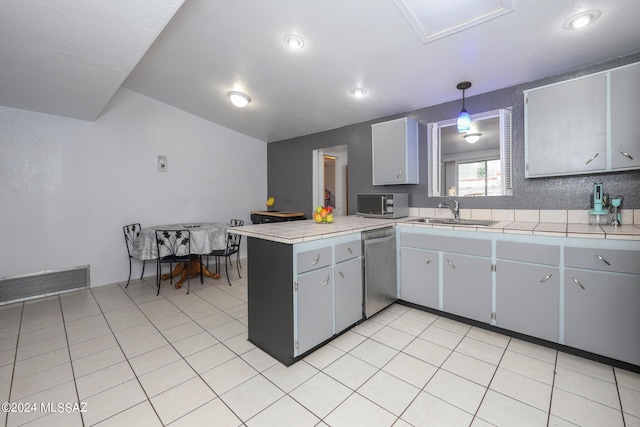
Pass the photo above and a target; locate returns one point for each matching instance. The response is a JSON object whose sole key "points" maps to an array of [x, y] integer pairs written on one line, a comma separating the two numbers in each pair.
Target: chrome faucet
{"points": [[455, 209]]}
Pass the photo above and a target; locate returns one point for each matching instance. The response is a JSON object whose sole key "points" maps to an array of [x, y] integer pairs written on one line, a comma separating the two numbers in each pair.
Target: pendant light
{"points": [[464, 120]]}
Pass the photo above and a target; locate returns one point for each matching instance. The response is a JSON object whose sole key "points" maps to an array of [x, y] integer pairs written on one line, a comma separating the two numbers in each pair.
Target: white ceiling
{"points": [[69, 57]]}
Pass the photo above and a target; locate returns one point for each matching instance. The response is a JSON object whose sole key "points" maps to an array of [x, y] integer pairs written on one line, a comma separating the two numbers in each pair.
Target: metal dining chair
{"points": [[174, 246], [131, 233], [233, 247]]}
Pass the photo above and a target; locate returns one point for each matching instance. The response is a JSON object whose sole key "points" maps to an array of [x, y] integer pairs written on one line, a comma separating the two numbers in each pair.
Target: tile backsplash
{"points": [[629, 216]]}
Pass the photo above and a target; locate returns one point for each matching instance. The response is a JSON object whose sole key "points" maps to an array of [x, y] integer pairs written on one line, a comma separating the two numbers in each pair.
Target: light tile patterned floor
{"points": [[183, 360]]}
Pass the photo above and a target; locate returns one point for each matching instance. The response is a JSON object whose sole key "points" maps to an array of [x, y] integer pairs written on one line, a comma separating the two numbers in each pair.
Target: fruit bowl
{"points": [[323, 215]]}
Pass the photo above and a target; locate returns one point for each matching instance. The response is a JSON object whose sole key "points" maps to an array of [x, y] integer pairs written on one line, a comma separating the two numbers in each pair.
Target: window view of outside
{"points": [[480, 178]]}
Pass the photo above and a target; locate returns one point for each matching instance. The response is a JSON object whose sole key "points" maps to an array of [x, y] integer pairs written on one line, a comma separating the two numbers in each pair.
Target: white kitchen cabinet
{"points": [[565, 127], [601, 295], [394, 152], [527, 289], [625, 92], [584, 125], [419, 276]]}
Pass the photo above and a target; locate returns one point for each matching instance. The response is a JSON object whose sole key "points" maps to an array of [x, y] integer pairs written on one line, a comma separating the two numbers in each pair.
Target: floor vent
{"points": [[44, 283]]}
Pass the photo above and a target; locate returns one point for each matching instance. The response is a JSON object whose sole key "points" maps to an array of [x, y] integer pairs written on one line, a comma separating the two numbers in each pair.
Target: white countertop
{"points": [[291, 232], [302, 231], [559, 229]]}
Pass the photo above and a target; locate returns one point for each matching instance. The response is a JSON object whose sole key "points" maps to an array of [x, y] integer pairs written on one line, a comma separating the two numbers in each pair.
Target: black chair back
{"points": [[131, 233], [173, 245]]}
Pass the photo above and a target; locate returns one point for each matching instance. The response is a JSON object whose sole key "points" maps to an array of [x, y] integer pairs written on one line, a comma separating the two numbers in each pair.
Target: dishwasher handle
{"points": [[379, 240]]}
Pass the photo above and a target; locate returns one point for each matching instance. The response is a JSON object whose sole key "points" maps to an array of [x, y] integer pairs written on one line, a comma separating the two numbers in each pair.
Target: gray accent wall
{"points": [[289, 162]]}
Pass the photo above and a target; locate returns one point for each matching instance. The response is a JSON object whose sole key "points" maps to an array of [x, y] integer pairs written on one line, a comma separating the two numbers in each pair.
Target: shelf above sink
{"points": [[452, 221]]}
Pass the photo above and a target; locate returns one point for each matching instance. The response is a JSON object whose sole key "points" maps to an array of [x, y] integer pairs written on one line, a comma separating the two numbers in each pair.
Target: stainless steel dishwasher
{"points": [[380, 287]]}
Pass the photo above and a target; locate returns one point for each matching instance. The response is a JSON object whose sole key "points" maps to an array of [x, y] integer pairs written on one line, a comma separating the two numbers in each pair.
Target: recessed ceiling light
{"points": [[239, 99], [359, 92], [581, 20], [293, 41]]}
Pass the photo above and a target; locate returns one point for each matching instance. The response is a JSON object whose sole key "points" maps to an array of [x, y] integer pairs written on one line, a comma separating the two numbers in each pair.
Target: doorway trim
{"points": [[340, 153]]}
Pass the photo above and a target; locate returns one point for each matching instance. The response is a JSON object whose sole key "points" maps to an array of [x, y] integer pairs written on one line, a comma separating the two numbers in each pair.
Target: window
{"points": [[481, 178]]}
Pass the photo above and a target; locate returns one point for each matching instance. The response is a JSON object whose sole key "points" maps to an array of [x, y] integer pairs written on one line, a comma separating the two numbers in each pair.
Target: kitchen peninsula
{"points": [[305, 282], [568, 284]]}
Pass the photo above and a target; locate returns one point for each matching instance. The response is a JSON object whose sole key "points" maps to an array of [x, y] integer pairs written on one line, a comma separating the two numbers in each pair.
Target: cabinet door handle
{"points": [[399, 175], [350, 251], [545, 278], [326, 281], [341, 274], [316, 260], [626, 154], [451, 264], [431, 259], [602, 259], [577, 282], [591, 159]]}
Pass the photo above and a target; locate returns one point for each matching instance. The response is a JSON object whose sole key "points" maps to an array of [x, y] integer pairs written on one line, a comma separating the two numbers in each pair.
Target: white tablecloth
{"points": [[205, 237]]}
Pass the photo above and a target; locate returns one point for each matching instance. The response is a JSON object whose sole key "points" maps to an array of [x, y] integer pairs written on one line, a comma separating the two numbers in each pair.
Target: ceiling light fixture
{"points": [[359, 92], [293, 41], [581, 20], [472, 138], [464, 120], [239, 99]]}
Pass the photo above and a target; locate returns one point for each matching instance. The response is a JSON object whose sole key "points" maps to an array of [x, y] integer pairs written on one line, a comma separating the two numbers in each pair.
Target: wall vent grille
{"points": [[44, 283]]}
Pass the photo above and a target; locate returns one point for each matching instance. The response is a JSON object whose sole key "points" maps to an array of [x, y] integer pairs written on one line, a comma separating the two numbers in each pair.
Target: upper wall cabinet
{"points": [[582, 125], [625, 93], [394, 152]]}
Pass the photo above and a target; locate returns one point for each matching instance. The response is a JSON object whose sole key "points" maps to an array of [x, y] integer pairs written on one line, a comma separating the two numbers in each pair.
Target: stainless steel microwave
{"points": [[383, 205]]}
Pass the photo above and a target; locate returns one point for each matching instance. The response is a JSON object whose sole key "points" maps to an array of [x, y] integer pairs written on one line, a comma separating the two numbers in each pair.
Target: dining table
{"points": [[205, 238]]}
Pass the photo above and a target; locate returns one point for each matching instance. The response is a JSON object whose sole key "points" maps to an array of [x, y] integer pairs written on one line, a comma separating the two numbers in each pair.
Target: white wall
{"points": [[68, 186]]}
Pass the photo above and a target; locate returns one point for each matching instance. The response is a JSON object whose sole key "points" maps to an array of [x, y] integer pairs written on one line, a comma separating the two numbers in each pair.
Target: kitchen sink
{"points": [[452, 221]]}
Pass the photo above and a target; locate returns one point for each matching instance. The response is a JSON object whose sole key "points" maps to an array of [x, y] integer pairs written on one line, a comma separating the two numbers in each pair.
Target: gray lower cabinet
{"points": [[601, 313], [419, 276], [465, 276], [314, 298], [348, 293], [528, 289], [527, 299], [466, 286], [601, 298], [301, 295]]}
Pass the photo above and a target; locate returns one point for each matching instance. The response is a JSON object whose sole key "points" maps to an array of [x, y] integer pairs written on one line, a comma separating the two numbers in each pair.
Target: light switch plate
{"points": [[162, 163]]}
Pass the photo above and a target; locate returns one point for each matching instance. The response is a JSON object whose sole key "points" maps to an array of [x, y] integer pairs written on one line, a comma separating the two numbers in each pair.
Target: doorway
{"points": [[330, 177]]}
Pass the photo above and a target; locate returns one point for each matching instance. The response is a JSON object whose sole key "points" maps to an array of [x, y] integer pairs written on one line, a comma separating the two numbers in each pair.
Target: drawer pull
{"points": [[431, 259], [626, 155], [451, 264], [545, 278], [326, 281], [350, 251], [602, 259], [341, 274], [577, 282], [591, 159], [316, 261]]}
